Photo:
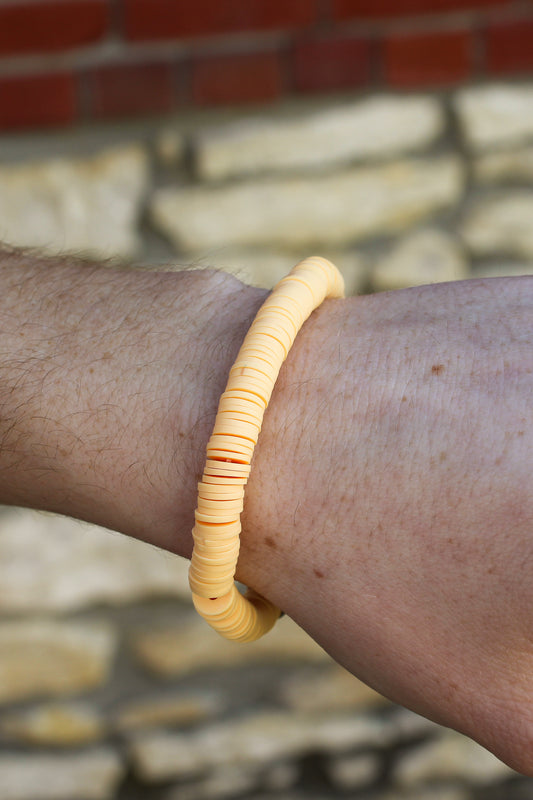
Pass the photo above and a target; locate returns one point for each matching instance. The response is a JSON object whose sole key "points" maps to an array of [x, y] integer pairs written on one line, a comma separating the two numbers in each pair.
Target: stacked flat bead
{"points": [[217, 528]]}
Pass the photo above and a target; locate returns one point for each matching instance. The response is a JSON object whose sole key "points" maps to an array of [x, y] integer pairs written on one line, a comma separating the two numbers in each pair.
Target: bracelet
{"points": [[238, 422]]}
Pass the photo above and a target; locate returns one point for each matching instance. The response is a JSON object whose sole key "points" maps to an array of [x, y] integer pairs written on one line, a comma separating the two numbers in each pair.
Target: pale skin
{"points": [[390, 506]]}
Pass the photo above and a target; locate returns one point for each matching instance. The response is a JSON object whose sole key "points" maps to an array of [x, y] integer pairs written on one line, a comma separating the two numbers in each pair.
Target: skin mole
{"points": [[437, 369]]}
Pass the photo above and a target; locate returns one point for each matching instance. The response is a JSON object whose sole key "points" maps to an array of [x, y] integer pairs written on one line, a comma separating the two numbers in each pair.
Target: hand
{"points": [[392, 500]]}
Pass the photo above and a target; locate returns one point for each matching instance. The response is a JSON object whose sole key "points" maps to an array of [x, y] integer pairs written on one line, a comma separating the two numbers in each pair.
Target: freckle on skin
{"points": [[271, 543], [437, 369], [318, 573]]}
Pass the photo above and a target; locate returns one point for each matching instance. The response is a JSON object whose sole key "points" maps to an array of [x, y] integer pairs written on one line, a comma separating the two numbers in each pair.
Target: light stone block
{"points": [[424, 257], [350, 773], [53, 725], [503, 269], [86, 206], [446, 791], [308, 212], [332, 689], [236, 781], [257, 739], [263, 738], [264, 268], [253, 266], [170, 709], [450, 757], [53, 563], [170, 147], [510, 165], [378, 127], [45, 657], [192, 645], [91, 775], [225, 782], [500, 225], [292, 795], [495, 116]]}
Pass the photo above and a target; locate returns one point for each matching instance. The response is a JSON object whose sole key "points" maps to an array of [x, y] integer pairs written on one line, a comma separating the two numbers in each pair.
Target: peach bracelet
{"points": [[231, 446]]}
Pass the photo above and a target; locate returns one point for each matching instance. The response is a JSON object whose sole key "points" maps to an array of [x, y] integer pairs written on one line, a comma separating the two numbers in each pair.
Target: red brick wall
{"points": [[63, 61]]}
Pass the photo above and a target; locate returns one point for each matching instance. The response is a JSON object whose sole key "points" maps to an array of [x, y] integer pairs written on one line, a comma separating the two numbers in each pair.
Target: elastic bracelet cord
{"points": [[230, 449]]}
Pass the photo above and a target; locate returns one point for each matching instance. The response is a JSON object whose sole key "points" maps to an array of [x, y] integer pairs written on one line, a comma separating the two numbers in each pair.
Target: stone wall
{"points": [[110, 686]]}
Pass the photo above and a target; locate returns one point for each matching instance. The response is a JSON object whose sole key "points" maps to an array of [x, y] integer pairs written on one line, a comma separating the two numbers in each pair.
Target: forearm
{"points": [[390, 506], [109, 381]]}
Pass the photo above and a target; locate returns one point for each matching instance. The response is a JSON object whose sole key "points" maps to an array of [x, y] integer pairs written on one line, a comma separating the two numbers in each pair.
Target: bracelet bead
{"points": [[251, 380]]}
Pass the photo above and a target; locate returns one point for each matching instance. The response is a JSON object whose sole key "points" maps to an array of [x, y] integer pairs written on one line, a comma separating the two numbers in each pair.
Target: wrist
{"points": [[219, 311]]}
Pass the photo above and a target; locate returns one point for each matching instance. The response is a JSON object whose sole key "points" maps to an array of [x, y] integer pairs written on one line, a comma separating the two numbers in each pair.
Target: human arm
{"points": [[109, 381], [396, 531]]}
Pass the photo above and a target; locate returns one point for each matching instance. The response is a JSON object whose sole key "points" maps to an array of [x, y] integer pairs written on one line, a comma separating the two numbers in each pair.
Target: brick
{"points": [[509, 47], [239, 78], [124, 90], [327, 64], [174, 19], [48, 27], [353, 9], [32, 101], [427, 59]]}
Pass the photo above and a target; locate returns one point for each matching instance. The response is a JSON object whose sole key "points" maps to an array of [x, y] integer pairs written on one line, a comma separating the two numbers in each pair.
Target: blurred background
{"points": [[394, 137]]}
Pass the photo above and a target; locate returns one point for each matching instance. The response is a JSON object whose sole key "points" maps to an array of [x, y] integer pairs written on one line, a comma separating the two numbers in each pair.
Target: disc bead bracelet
{"points": [[230, 449]]}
